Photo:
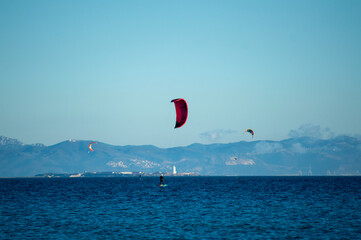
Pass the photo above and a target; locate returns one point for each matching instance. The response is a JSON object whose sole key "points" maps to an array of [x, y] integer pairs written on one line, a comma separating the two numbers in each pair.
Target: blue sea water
{"points": [[188, 208]]}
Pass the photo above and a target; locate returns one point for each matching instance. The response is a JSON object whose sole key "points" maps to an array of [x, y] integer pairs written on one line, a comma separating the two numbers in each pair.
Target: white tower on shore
{"points": [[174, 170]]}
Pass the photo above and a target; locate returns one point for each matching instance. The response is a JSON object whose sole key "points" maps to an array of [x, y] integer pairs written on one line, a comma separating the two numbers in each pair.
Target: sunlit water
{"points": [[189, 208]]}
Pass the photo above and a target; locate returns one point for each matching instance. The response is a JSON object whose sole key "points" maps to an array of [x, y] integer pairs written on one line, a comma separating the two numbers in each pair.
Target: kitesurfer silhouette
{"points": [[161, 180]]}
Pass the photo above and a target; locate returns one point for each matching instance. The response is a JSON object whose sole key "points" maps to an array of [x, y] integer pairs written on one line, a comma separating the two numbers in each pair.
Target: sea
{"points": [[188, 208]]}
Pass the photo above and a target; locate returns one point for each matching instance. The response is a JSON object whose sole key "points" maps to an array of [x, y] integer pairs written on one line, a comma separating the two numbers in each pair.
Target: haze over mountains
{"points": [[339, 155]]}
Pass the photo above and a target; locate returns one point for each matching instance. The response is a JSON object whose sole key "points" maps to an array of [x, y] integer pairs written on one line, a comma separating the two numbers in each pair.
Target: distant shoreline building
{"points": [[174, 170]]}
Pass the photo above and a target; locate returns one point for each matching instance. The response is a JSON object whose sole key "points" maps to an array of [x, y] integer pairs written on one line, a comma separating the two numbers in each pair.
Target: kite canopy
{"points": [[250, 131], [181, 109], [90, 146]]}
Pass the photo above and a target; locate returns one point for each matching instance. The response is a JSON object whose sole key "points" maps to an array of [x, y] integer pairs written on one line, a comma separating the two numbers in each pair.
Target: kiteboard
{"points": [[162, 185]]}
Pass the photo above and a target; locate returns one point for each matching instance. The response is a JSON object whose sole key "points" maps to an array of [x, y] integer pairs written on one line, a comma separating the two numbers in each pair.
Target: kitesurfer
{"points": [[161, 180]]}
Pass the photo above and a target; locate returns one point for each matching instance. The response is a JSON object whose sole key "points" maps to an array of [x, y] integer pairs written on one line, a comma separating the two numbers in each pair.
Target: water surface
{"points": [[189, 208]]}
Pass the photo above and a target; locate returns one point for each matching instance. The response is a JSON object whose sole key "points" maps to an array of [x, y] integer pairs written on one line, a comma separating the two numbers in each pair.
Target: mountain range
{"points": [[340, 155]]}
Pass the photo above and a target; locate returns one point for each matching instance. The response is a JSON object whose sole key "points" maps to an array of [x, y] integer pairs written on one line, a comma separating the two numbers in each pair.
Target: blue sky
{"points": [[107, 70]]}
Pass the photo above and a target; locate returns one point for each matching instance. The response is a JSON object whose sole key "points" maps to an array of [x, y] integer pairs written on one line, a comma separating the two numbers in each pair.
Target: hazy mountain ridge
{"points": [[295, 156]]}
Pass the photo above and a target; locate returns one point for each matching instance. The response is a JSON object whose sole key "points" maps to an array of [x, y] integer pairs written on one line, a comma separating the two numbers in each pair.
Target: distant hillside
{"points": [[295, 156]]}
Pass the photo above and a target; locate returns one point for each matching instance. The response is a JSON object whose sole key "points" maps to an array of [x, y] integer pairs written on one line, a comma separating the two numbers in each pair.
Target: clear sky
{"points": [[107, 70]]}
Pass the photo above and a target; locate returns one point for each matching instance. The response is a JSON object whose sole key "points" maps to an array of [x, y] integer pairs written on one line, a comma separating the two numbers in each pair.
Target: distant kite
{"points": [[90, 146], [250, 131], [181, 109]]}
